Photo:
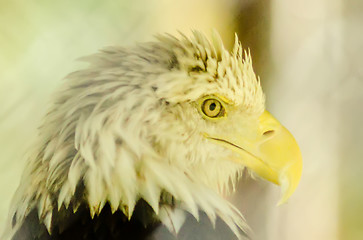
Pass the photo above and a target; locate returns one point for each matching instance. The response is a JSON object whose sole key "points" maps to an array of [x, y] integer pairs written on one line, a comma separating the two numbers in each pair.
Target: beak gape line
{"points": [[272, 154]]}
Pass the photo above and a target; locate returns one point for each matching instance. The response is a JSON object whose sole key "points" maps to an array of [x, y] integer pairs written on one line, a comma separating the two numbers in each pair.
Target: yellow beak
{"points": [[272, 153]]}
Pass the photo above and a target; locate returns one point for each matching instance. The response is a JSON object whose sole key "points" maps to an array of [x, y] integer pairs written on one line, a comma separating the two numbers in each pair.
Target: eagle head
{"points": [[179, 116]]}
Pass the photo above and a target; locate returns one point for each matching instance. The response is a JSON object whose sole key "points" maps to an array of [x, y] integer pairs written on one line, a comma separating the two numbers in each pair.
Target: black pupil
{"points": [[212, 106]]}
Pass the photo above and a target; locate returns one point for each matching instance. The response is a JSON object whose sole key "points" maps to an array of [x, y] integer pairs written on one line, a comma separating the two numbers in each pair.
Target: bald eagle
{"points": [[148, 137]]}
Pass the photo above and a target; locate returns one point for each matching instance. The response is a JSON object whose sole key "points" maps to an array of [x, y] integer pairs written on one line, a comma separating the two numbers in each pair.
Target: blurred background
{"points": [[308, 54]]}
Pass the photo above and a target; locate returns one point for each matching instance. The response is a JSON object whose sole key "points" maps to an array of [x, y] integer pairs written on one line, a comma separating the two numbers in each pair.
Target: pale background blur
{"points": [[307, 52]]}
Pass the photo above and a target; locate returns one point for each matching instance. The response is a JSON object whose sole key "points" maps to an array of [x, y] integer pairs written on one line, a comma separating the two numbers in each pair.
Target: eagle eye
{"points": [[212, 108]]}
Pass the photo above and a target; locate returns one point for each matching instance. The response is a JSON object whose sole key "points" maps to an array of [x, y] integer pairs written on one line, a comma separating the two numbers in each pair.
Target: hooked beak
{"points": [[272, 153]]}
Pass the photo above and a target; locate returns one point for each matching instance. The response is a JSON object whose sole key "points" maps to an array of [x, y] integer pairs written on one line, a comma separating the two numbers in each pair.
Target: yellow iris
{"points": [[212, 108]]}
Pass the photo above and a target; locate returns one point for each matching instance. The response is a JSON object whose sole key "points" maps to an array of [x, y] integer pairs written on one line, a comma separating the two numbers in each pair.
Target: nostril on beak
{"points": [[268, 133]]}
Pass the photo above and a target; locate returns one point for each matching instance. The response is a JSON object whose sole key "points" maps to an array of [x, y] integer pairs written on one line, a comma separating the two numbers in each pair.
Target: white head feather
{"points": [[128, 127]]}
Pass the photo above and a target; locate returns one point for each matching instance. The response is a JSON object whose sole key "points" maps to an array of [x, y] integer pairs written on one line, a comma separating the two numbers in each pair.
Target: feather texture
{"points": [[127, 129]]}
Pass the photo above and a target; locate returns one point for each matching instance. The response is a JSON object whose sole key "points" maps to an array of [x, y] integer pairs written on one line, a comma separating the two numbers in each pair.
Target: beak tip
{"points": [[286, 190], [281, 201], [284, 198], [289, 181]]}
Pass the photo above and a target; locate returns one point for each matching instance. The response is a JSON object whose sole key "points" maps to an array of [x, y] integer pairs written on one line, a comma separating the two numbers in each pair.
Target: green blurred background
{"points": [[308, 54]]}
